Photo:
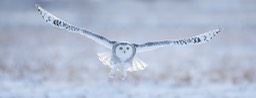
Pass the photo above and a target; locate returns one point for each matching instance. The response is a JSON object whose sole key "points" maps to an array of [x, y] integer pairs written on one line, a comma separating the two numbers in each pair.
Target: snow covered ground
{"points": [[123, 89], [40, 61]]}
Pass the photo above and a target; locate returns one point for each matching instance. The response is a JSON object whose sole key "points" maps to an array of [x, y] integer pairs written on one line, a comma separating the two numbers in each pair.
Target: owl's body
{"points": [[122, 59], [122, 56]]}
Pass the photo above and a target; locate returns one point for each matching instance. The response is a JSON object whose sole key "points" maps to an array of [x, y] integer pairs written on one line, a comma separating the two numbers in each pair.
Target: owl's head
{"points": [[124, 51]]}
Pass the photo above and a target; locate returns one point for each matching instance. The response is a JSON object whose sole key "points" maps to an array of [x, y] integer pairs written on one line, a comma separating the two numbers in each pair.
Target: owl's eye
{"points": [[127, 48], [121, 48]]}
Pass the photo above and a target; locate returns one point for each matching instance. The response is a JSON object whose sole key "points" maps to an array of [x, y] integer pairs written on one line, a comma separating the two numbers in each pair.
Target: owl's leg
{"points": [[112, 72], [124, 71]]}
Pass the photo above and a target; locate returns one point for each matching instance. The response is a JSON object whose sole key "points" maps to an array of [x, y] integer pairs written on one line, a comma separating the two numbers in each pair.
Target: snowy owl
{"points": [[122, 57]]}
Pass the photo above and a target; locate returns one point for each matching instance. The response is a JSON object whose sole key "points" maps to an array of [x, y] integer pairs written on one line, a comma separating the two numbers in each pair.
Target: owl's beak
{"points": [[124, 52]]}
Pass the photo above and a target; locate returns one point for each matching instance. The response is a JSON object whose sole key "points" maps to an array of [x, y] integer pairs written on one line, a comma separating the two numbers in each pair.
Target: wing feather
{"points": [[55, 21], [198, 39], [105, 58], [137, 65]]}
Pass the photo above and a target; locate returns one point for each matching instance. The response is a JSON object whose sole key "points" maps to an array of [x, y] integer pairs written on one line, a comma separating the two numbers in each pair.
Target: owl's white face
{"points": [[124, 52]]}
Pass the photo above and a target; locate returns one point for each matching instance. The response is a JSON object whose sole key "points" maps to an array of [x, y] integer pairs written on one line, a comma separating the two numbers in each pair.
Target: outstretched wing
{"points": [[198, 39], [55, 21]]}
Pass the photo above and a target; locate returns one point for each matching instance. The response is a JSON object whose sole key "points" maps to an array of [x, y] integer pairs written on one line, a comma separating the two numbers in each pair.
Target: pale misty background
{"points": [[41, 61]]}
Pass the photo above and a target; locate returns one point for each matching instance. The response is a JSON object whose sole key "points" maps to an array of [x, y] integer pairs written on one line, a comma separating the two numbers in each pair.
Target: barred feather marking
{"points": [[55, 21], [198, 39]]}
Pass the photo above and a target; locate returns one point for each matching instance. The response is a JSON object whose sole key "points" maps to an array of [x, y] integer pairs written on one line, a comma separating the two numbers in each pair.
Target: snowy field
{"points": [[40, 61]]}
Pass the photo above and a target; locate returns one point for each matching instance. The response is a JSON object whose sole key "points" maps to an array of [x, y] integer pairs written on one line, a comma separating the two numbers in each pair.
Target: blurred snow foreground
{"points": [[39, 61]]}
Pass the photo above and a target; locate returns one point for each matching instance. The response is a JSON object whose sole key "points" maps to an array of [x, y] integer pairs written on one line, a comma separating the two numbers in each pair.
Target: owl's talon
{"points": [[111, 75], [123, 75], [123, 78]]}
